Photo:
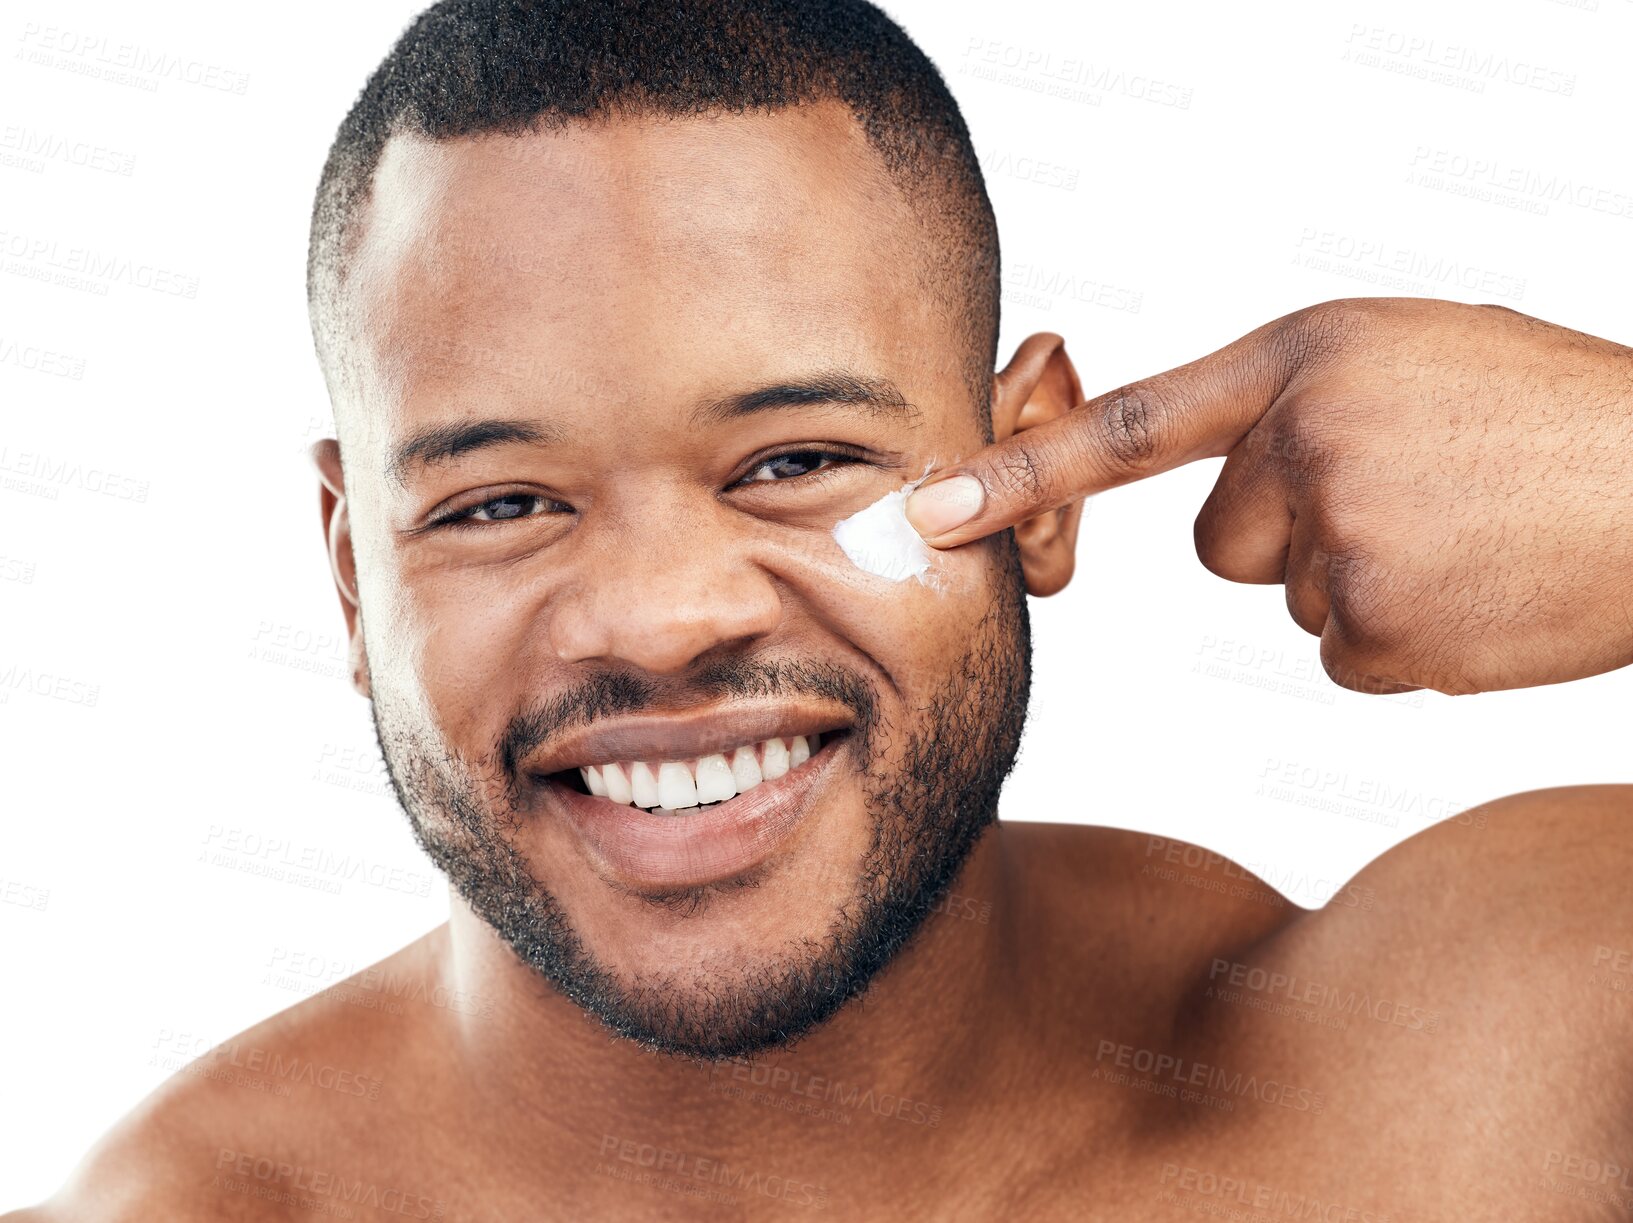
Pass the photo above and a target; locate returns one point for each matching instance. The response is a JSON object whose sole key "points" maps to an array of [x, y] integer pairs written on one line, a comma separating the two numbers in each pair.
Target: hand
{"points": [[1446, 490]]}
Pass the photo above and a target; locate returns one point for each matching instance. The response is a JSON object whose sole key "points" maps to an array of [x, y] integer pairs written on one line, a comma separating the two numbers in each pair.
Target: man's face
{"points": [[705, 341]]}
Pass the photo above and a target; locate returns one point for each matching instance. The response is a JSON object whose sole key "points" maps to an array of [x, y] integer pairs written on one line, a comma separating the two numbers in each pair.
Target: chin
{"points": [[747, 926]]}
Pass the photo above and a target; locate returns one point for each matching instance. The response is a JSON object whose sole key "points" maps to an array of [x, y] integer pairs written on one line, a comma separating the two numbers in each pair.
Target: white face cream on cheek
{"points": [[879, 539]]}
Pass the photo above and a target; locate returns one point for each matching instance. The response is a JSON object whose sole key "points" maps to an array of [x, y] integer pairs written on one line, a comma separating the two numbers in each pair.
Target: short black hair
{"points": [[475, 67]]}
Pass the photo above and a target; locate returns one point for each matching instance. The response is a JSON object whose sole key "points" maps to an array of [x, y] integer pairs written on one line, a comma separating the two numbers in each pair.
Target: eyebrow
{"points": [[879, 396], [444, 443]]}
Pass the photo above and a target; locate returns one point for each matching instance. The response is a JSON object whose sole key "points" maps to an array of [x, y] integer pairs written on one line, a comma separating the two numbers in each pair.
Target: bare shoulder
{"points": [[232, 1135], [1554, 863], [1537, 882], [1521, 908], [1493, 966], [1501, 914]]}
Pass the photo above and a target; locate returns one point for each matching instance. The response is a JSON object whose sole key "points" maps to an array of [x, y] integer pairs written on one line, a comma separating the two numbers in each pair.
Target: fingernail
{"points": [[938, 508]]}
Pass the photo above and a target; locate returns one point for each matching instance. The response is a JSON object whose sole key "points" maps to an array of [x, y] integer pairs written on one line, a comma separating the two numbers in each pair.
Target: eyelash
{"points": [[838, 459], [461, 520], [834, 460]]}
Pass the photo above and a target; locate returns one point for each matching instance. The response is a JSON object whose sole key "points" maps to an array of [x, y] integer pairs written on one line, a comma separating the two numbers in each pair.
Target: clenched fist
{"points": [[1445, 490]]}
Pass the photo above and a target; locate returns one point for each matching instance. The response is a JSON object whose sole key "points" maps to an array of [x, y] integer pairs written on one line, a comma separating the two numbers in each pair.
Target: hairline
{"points": [[333, 248]]}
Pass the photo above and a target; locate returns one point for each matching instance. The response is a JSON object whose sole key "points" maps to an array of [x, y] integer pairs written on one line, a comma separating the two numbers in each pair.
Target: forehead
{"points": [[643, 257]]}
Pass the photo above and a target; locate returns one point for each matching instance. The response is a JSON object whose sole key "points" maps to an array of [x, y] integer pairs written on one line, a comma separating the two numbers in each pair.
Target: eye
{"points": [[796, 463], [503, 509]]}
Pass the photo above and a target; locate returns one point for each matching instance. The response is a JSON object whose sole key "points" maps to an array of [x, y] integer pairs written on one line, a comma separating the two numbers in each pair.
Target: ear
{"points": [[337, 534], [1038, 385]]}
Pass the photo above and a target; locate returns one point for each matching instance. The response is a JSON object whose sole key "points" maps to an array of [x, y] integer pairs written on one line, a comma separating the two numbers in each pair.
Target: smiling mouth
{"points": [[685, 787]]}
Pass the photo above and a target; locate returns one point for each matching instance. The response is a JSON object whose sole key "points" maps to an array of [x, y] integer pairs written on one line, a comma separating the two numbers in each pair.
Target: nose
{"points": [[661, 596]]}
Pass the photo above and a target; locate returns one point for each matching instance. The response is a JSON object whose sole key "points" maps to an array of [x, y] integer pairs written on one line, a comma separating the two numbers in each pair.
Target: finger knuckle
{"points": [[1305, 604], [1393, 613], [1356, 661], [1396, 626], [1132, 424], [1019, 473], [1320, 332], [1210, 547], [1362, 672], [1206, 534], [1362, 600], [1216, 533]]}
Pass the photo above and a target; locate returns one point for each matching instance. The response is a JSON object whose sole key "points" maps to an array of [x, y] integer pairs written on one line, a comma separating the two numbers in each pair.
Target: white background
{"points": [[173, 705]]}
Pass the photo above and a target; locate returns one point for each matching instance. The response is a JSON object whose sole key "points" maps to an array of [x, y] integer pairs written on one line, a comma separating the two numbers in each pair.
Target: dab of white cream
{"points": [[879, 539]]}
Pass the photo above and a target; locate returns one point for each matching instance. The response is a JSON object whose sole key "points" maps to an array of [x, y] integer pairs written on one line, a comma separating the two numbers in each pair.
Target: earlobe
{"points": [[1039, 385], [337, 534]]}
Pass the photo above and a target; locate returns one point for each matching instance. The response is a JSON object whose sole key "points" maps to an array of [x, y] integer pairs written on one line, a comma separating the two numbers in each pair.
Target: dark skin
{"points": [[1443, 489], [1099, 1024]]}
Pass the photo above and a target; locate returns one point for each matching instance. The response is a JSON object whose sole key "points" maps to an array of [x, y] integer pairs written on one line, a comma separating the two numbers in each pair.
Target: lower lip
{"points": [[705, 845]]}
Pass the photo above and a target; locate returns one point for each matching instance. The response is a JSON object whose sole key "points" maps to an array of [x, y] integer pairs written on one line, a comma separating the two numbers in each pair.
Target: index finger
{"points": [[1195, 411]]}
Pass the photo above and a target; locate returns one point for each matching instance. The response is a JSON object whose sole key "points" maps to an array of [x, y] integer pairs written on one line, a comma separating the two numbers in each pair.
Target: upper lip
{"points": [[685, 735]]}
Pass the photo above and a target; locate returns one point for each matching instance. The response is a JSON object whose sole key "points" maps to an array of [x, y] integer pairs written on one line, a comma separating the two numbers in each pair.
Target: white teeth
{"points": [[714, 780], [643, 786], [745, 769], [775, 763], [676, 789], [612, 777], [678, 785]]}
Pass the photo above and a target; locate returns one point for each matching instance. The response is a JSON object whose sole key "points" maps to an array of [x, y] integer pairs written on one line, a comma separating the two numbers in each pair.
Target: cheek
{"points": [[914, 629], [453, 643]]}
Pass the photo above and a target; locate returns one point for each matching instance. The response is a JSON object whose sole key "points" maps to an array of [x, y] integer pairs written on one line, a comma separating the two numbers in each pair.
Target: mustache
{"points": [[617, 692]]}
